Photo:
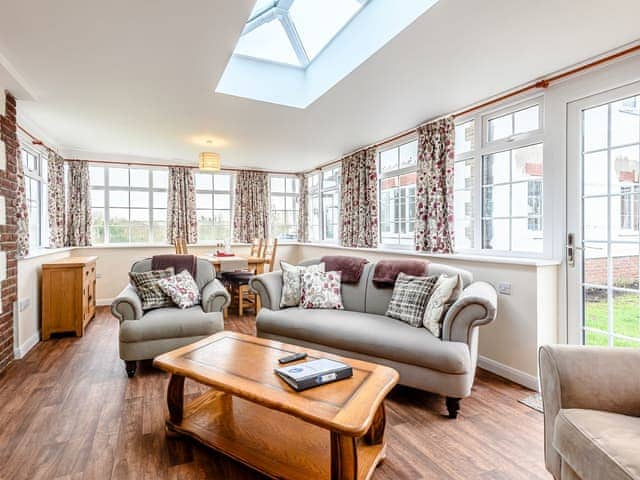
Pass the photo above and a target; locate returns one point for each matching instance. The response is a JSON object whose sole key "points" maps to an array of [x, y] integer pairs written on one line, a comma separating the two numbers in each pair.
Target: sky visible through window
{"points": [[294, 32]]}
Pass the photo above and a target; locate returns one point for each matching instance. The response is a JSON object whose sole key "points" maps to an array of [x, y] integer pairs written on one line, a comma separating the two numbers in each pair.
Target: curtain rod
{"points": [[534, 85]]}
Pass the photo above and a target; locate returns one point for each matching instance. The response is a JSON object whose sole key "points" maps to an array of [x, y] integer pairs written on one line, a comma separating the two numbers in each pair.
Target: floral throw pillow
{"points": [[410, 297], [445, 292], [291, 287], [321, 290], [182, 289], [146, 284]]}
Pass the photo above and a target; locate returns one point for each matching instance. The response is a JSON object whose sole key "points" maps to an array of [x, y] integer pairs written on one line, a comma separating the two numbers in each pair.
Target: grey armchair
{"points": [[591, 399], [144, 335]]}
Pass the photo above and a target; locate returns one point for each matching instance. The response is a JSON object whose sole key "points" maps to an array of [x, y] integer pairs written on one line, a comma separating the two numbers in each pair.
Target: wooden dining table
{"points": [[253, 263]]}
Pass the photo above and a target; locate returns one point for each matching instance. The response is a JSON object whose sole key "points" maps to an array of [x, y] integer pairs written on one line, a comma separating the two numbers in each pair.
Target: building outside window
{"points": [[284, 207], [214, 192], [397, 192], [35, 179], [502, 210], [128, 204], [324, 205]]}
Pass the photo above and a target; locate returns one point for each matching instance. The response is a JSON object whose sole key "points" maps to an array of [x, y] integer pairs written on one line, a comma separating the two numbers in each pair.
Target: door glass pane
{"points": [[595, 218], [595, 173], [595, 129], [625, 122]]}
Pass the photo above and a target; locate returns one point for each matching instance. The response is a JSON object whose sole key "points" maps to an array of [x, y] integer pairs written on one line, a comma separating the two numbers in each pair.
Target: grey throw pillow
{"points": [[410, 298], [445, 292], [148, 288]]}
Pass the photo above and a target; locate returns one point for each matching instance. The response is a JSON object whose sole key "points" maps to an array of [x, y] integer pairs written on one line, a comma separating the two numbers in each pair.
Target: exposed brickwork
{"points": [[626, 271], [8, 288]]}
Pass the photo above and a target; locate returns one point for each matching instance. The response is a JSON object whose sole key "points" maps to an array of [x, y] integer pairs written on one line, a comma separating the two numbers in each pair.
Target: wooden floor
{"points": [[69, 411]]}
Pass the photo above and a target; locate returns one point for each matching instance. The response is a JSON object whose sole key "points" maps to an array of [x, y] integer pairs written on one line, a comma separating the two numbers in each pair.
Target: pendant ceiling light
{"points": [[209, 161]]}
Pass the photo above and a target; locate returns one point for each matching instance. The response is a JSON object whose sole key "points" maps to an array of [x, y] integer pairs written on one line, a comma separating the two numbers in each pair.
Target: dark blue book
{"points": [[313, 373]]}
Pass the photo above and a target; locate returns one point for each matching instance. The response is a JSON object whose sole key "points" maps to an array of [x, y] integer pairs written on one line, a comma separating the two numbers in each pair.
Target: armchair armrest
{"points": [[215, 297], [127, 305], [477, 305], [594, 378], [269, 287]]}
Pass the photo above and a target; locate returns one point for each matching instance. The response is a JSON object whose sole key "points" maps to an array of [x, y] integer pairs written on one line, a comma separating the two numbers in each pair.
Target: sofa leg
{"points": [[130, 366], [453, 405]]}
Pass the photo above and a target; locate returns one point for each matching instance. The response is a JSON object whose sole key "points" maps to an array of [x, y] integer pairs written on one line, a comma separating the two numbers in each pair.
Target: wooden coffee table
{"points": [[333, 431]]}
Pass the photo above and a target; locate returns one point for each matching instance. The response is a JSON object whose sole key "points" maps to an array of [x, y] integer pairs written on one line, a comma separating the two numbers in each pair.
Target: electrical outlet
{"points": [[98, 275], [504, 288]]}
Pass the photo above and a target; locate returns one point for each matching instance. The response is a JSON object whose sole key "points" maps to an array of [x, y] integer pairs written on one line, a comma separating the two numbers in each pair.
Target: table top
{"points": [[243, 366], [215, 259]]}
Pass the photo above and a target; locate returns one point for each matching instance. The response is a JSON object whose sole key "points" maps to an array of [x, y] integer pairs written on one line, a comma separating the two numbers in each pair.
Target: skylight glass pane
{"points": [[268, 42], [260, 7], [318, 21]]}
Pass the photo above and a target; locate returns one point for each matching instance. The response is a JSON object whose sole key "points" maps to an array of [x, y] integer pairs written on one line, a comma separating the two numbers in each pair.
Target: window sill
{"points": [[158, 245], [43, 252], [467, 257]]}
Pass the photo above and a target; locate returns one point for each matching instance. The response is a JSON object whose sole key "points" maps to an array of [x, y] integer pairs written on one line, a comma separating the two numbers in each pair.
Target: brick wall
{"points": [[8, 288], [625, 270]]}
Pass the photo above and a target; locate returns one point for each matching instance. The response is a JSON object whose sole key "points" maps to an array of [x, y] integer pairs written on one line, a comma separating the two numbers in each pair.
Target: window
{"points": [[213, 206], [284, 207], [324, 205], [296, 31], [128, 205], [397, 187], [35, 182], [503, 210]]}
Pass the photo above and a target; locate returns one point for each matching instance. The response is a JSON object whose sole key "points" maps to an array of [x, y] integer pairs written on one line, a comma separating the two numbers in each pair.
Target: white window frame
{"points": [[482, 147], [213, 192], [40, 175], [108, 190], [320, 193], [394, 173], [286, 194]]}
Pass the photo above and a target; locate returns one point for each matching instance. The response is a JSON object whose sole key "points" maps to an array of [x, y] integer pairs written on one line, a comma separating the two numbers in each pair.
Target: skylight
{"points": [[294, 32]]}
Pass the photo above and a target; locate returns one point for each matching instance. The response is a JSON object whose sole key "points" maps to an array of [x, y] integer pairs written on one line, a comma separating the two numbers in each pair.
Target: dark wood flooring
{"points": [[68, 411]]}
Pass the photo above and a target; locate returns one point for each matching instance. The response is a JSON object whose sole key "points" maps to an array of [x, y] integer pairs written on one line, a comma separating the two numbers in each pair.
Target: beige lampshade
{"points": [[209, 161]]}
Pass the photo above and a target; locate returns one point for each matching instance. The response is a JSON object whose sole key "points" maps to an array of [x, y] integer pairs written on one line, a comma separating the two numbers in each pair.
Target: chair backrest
{"points": [[204, 274], [364, 296], [256, 248], [181, 246], [269, 254]]}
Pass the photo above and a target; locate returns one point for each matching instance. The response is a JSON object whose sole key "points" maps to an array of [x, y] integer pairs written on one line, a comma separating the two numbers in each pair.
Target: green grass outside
{"points": [[626, 319]]}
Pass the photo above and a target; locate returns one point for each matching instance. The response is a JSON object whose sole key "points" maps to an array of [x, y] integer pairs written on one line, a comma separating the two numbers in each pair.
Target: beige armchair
{"points": [[591, 399], [146, 334]]}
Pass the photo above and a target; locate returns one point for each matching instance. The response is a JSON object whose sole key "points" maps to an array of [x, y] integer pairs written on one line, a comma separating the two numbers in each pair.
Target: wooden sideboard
{"points": [[68, 295]]}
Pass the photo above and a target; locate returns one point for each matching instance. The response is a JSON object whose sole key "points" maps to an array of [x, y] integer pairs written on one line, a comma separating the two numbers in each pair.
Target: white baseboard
{"points": [[104, 302], [510, 373], [22, 350]]}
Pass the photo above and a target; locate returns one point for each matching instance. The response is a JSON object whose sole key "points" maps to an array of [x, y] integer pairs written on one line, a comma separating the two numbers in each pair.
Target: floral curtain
{"points": [[251, 212], [181, 209], [22, 212], [359, 200], [78, 205], [434, 188], [303, 208], [56, 200]]}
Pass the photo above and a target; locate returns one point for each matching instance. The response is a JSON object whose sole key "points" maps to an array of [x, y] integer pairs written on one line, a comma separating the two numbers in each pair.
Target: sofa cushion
{"points": [[182, 289], [148, 288], [599, 444], [374, 335], [171, 322], [410, 297], [321, 290]]}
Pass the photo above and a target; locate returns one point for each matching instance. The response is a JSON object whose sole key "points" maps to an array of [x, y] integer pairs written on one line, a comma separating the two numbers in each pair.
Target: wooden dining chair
{"points": [[256, 248], [246, 297], [181, 246]]}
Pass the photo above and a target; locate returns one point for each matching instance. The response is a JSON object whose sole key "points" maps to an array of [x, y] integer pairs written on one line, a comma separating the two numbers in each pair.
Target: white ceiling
{"points": [[136, 78]]}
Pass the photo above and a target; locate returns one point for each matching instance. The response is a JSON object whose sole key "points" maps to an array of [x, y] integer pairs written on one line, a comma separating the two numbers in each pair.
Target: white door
{"points": [[603, 219]]}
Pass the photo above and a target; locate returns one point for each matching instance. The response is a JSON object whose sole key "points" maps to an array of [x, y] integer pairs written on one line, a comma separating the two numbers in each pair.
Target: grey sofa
{"points": [[441, 365], [591, 399], [144, 335]]}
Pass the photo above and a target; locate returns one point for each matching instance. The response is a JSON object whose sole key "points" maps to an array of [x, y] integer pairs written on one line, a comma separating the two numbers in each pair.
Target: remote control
{"points": [[292, 358]]}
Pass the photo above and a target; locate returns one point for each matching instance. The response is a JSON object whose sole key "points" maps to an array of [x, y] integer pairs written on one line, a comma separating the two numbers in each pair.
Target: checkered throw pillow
{"points": [[410, 298], [149, 290]]}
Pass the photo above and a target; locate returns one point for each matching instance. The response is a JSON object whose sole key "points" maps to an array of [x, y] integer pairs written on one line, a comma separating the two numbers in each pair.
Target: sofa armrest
{"points": [[477, 305], [594, 378], [269, 287], [127, 305], [215, 297]]}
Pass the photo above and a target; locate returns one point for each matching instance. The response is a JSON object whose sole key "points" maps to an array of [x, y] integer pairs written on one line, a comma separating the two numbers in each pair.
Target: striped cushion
{"points": [[410, 298]]}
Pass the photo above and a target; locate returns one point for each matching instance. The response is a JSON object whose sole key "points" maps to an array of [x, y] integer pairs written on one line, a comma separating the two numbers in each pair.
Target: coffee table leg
{"points": [[344, 457], [175, 398], [376, 432]]}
